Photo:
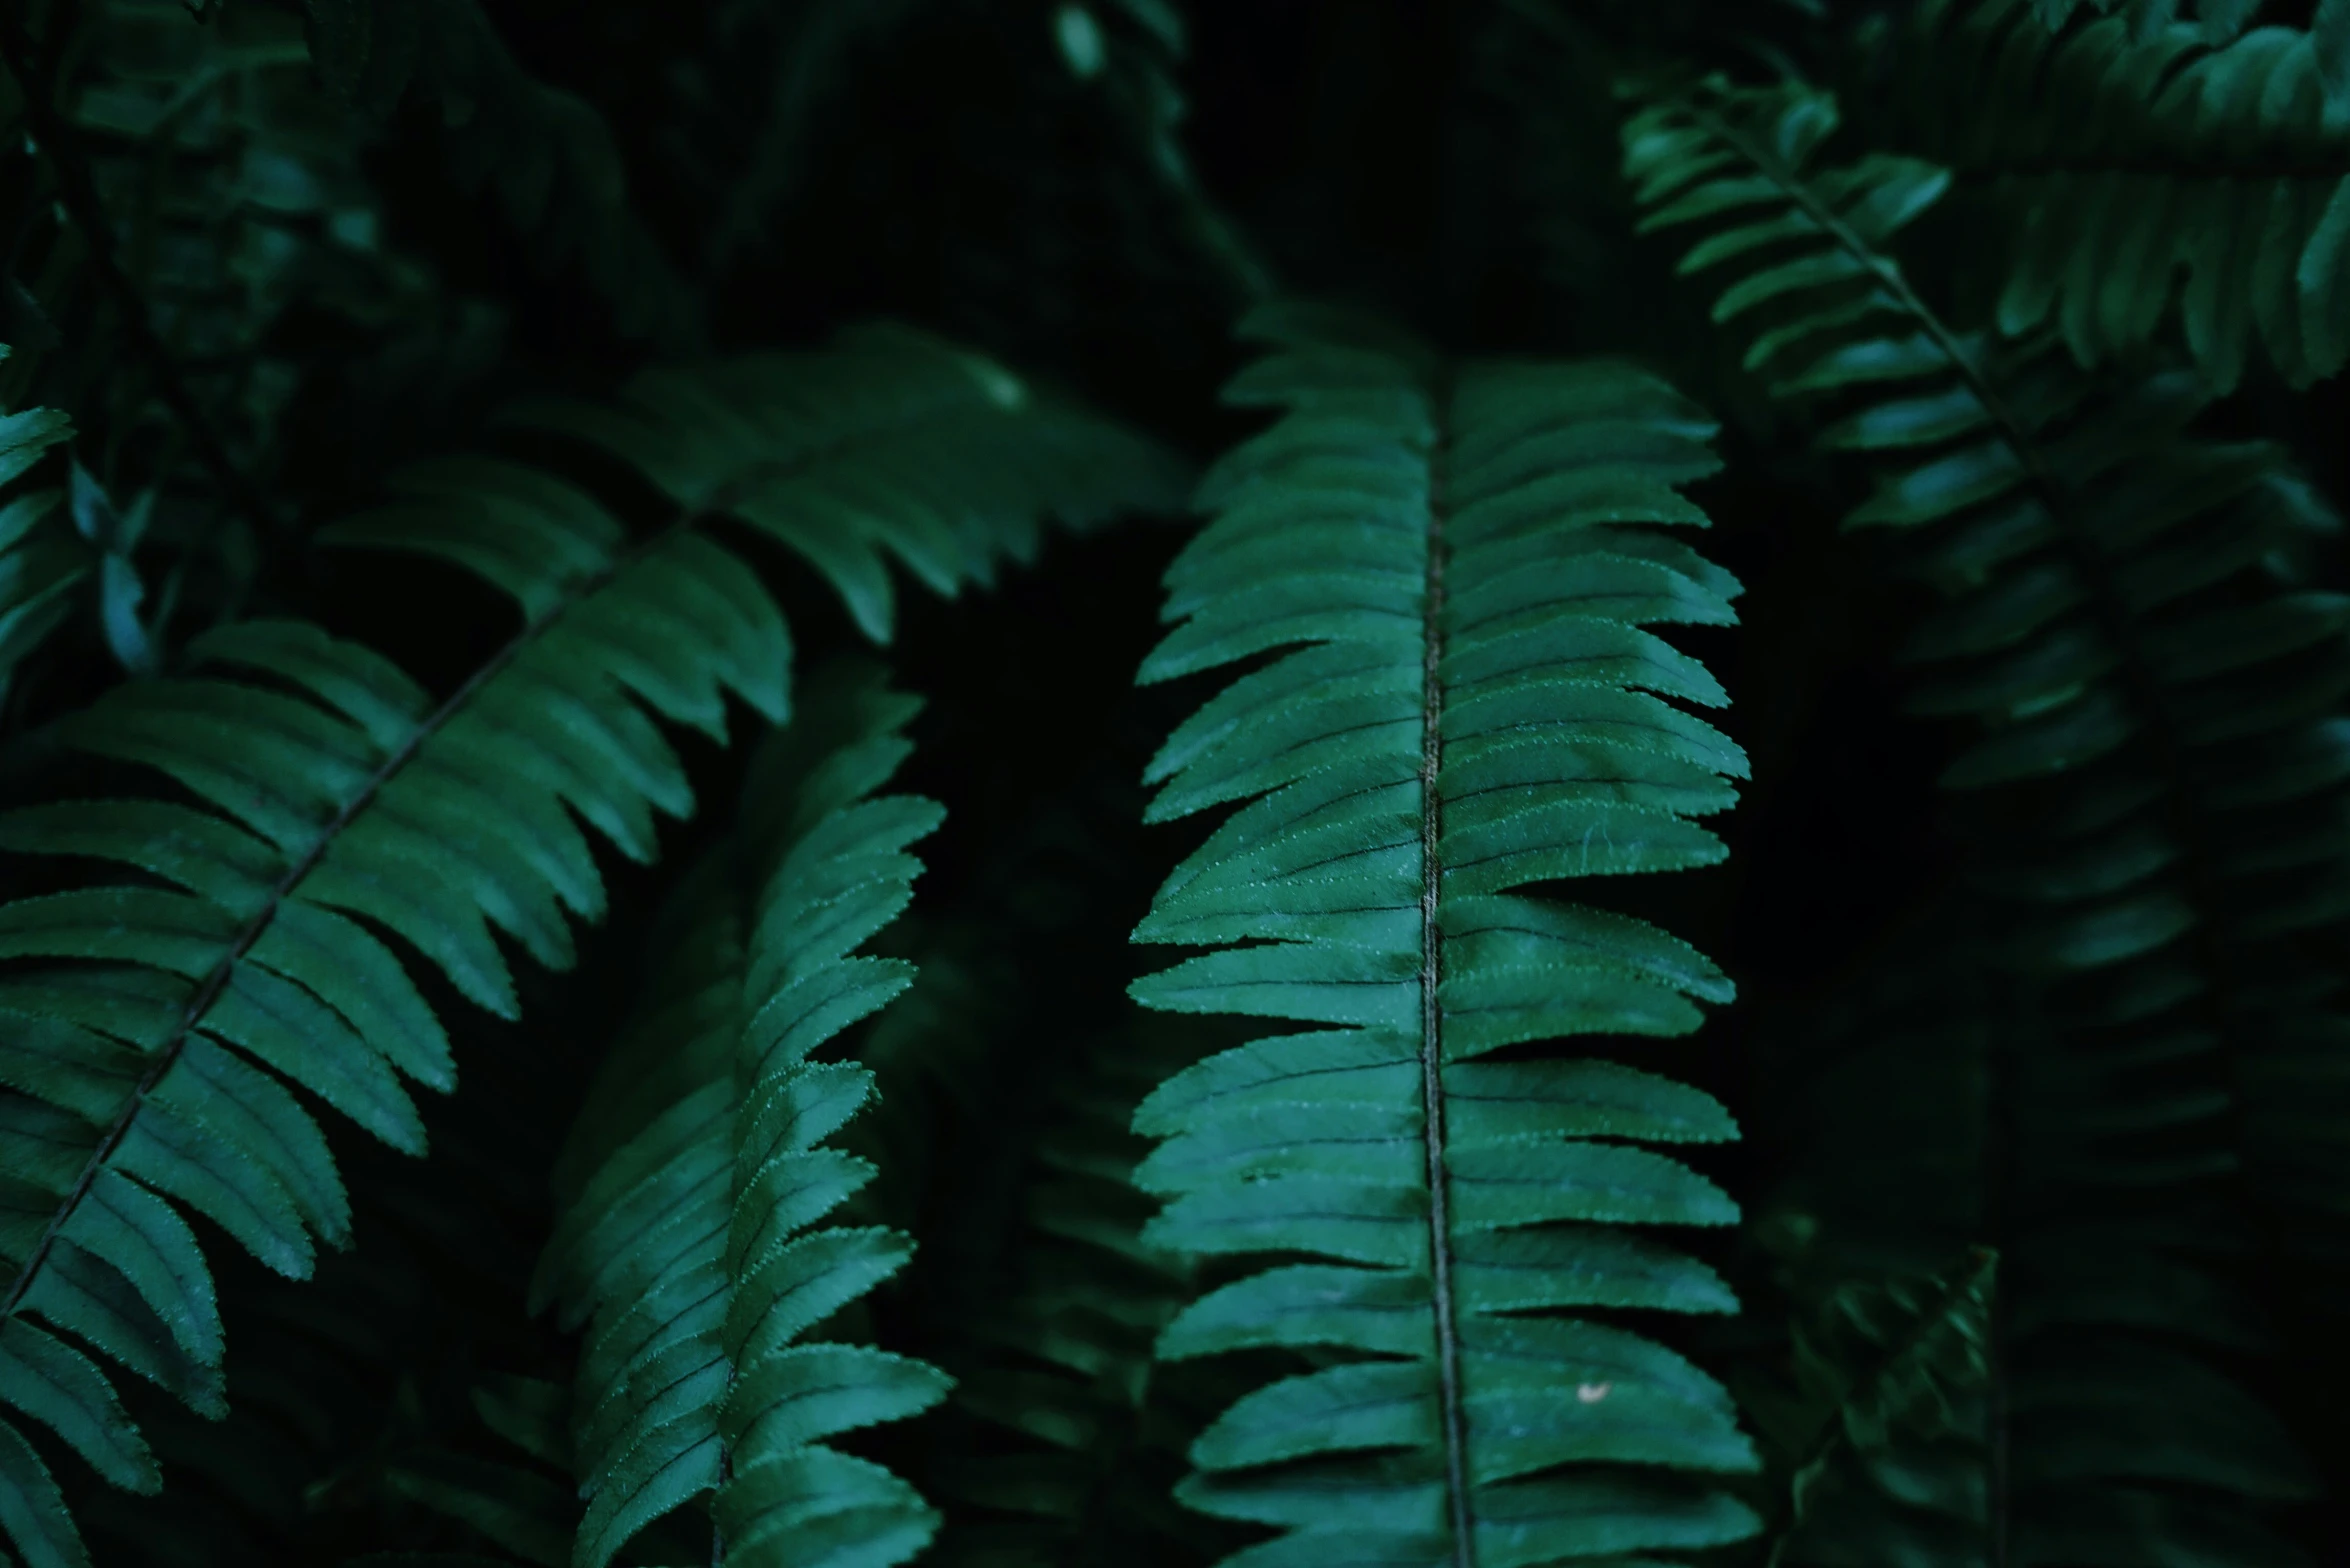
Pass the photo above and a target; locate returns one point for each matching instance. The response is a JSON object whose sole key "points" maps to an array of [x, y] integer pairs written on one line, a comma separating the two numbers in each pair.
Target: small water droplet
{"points": [[1592, 1393]]}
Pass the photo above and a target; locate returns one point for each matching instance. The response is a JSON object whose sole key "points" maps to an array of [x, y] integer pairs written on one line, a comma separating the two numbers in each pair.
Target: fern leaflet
{"points": [[1471, 555]]}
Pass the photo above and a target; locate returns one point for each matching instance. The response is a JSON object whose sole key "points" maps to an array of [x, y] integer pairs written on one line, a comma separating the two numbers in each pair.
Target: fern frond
{"points": [[694, 1250], [2148, 683], [151, 1044], [2127, 622], [2145, 177], [1886, 1354], [1472, 555]]}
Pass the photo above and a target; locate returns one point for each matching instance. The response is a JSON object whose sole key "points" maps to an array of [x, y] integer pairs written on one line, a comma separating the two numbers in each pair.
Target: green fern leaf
{"points": [[1471, 555], [2123, 624], [2143, 176], [25, 435], [694, 1248], [154, 1031]]}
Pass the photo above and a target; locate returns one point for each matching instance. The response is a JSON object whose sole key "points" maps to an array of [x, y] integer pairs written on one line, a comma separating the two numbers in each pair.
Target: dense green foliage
{"points": [[1389, 482]]}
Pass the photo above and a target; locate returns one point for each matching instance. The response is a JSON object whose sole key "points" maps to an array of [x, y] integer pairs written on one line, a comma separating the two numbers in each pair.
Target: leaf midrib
{"points": [[1431, 1016]]}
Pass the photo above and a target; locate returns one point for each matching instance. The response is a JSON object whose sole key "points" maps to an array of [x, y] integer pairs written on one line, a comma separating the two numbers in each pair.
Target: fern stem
{"points": [[78, 192], [1448, 1372]]}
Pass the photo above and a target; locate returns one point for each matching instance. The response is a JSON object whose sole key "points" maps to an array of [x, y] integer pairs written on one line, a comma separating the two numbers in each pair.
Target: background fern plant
{"points": [[2126, 623], [432, 432]]}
